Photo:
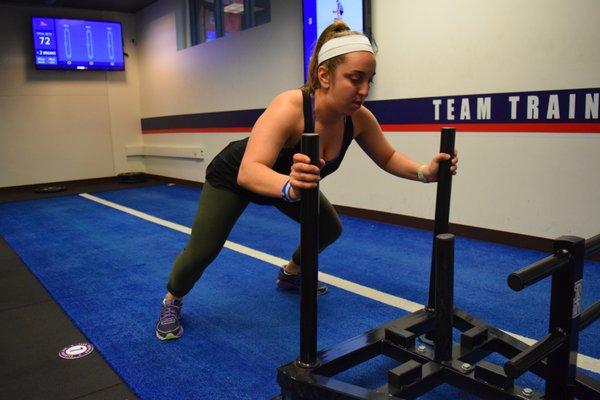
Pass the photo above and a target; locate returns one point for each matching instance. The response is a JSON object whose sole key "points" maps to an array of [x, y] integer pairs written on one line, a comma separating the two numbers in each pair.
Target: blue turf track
{"points": [[108, 270]]}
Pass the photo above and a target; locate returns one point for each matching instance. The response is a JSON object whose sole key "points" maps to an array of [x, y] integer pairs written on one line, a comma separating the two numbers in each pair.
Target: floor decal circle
{"points": [[75, 351]]}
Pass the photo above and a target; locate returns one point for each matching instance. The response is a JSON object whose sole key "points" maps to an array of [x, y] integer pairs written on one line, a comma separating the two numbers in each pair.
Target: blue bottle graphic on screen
{"points": [[67, 44], [89, 44], [110, 46]]}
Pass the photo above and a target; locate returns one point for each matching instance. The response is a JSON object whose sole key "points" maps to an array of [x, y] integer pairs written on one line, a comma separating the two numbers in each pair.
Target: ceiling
{"points": [[130, 6]]}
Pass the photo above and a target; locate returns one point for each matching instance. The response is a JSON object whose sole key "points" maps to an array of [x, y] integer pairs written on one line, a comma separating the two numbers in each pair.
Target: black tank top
{"points": [[222, 172]]}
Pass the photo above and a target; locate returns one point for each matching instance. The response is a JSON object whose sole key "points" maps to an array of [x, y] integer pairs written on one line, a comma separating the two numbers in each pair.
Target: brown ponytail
{"points": [[337, 29]]}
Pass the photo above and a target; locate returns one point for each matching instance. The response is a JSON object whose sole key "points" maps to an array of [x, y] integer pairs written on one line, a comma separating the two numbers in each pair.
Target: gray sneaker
{"points": [[168, 326]]}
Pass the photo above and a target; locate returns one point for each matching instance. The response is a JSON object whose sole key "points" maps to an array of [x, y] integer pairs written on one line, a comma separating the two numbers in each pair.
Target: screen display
{"points": [[77, 44], [318, 14]]}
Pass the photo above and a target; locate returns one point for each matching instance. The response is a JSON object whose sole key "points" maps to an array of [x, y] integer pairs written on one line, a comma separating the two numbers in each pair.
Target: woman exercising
{"points": [[268, 168]]}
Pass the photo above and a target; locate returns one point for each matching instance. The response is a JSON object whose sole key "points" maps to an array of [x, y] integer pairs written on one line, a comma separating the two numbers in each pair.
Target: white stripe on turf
{"points": [[583, 361]]}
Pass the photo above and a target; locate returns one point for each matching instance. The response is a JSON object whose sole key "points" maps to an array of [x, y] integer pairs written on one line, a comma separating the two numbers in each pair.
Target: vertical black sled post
{"points": [[309, 242], [442, 205], [444, 299]]}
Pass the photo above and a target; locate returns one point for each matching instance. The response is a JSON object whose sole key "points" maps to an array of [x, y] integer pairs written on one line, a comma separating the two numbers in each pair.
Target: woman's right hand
{"points": [[303, 175]]}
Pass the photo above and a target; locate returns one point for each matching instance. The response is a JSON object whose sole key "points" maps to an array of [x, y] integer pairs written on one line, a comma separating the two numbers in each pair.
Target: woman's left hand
{"points": [[431, 171]]}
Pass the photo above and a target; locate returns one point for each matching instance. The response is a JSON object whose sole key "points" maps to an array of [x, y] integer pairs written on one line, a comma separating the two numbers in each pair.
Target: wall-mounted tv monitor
{"points": [[61, 43], [318, 14]]}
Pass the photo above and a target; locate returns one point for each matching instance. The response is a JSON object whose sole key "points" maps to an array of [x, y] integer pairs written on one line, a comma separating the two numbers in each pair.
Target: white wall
{"points": [[63, 125], [439, 47]]}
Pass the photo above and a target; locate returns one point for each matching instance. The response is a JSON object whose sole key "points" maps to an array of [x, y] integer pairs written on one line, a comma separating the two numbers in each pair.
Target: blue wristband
{"points": [[285, 193]]}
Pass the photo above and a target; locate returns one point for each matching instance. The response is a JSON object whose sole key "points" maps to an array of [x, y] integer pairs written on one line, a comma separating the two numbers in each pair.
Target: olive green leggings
{"points": [[218, 211]]}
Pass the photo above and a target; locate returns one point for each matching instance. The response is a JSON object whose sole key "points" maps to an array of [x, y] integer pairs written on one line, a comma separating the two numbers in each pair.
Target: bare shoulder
{"points": [[283, 117], [284, 114], [290, 99]]}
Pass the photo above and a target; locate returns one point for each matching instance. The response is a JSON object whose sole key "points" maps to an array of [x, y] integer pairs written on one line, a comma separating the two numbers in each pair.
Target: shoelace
{"points": [[169, 313]]}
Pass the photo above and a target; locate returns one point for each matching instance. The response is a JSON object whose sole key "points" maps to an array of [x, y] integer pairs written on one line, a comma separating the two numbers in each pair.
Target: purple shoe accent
{"points": [[169, 326], [292, 282]]}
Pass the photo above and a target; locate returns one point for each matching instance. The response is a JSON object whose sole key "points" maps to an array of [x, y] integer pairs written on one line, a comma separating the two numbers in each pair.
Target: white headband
{"points": [[342, 45]]}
